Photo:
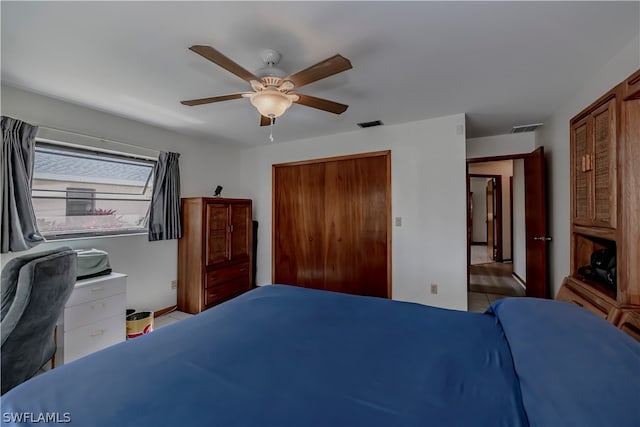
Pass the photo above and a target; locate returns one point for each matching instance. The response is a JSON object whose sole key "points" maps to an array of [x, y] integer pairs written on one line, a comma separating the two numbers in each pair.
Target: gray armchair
{"points": [[34, 289]]}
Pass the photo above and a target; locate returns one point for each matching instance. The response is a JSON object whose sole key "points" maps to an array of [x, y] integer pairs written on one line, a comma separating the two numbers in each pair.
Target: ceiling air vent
{"points": [[370, 124], [525, 128]]}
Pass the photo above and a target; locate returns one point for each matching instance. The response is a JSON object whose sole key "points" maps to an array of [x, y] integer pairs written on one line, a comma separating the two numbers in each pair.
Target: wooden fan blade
{"points": [[201, 101], [266, 121], [321, 104], [330, 66], [219, 59]]}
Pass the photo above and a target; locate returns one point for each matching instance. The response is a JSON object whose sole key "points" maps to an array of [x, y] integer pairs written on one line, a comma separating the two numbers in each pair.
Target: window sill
{"points": [[88, 236]]}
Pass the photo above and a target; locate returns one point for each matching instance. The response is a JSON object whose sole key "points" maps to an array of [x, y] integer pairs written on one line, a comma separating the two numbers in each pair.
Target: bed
{"points": [[288, 356]]}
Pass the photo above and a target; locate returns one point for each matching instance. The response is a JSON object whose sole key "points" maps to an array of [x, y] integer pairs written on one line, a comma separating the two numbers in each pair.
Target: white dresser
{"points": [[93, 318]]}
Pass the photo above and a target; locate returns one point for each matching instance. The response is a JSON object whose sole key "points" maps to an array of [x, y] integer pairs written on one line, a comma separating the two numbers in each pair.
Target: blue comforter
{"points": [[287, 356]]}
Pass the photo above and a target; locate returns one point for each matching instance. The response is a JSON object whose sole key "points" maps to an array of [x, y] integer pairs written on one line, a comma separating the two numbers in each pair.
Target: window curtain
{"points": [[164, 213], [19, 230]]}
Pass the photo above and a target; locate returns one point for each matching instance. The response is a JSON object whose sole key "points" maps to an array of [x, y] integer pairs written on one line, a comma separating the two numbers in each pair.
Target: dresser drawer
{"points": [[79, 315], [221, 275], [575, 294], [93, 337], [629, 322], [217, 294], [96, 288]]}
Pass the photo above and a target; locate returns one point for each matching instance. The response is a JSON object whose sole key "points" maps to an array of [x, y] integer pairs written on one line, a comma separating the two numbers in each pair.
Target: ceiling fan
{"points": [[272, 88]]}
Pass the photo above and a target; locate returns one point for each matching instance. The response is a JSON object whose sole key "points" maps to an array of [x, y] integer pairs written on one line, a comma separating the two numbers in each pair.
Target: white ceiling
{"points": [[501, 63]]}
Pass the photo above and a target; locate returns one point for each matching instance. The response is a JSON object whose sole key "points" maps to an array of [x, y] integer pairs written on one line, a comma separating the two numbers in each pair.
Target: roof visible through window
{"points": [[59, 164], [79, 193]]}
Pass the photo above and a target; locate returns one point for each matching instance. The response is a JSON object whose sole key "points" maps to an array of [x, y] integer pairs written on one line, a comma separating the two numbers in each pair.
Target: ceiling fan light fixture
{"points": [[272, 92], [271, 102]]}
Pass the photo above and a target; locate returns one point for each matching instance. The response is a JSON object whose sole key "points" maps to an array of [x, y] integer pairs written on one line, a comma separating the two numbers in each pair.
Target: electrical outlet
{"points": [[174, 284], [434, 288]]}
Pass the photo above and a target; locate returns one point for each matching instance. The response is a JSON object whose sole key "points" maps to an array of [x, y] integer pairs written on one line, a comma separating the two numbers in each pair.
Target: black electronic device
{"points": [[217, 191], [602, 267]]}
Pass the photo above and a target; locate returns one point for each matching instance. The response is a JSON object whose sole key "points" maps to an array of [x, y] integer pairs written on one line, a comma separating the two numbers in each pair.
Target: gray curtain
{"points": [[19, 230], [164, 213]]}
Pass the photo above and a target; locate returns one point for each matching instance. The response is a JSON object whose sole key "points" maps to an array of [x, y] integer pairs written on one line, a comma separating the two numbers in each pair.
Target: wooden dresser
{"points": [[214, 253], [605, 204]]}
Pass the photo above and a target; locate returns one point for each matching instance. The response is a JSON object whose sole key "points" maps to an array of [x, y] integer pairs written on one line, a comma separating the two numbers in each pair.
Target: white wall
{"points": [[428, 192], [501, 145], [151, 266], [478, 187], [519, 250], [554, 136], [504, 168]]}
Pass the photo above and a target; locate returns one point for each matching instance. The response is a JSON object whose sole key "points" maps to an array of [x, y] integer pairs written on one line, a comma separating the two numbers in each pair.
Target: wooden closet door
{"points": [[356, 223], [298, 209], [331, 224]]}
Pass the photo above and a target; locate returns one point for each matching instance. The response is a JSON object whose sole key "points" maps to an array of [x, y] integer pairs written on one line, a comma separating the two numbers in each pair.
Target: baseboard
{"points": [[479, 243], [519, 280], [164, 311]]}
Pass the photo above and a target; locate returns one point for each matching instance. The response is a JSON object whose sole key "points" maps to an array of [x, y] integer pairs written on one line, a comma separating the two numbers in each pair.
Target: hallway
{"points": [[491, 282], [479, 254]]}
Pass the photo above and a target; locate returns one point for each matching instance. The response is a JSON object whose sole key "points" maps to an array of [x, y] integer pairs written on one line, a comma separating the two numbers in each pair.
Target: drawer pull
{"points": [[103, 304], [100, 332], [99, 288], [242, 270]]}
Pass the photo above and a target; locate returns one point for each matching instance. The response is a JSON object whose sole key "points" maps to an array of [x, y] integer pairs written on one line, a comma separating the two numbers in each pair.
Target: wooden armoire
{"points": [[332, 224], [605, 205], [215, 252]]}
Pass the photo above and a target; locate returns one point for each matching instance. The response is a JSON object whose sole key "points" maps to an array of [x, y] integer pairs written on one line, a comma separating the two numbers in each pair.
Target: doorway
{"points": [[485, 217], [523, 206]]}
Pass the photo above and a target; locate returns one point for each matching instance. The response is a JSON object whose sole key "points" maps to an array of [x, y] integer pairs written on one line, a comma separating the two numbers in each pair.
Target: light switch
{"points": [[398, 221]]}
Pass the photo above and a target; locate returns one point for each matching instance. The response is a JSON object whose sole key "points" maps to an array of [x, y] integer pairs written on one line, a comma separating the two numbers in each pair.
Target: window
{"points": [[81, 201], [79, 192]]}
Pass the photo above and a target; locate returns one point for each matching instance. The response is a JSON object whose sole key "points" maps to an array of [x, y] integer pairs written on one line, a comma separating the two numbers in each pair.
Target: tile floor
{"points": [[478, 302], [489, 283], [479, 254], [169, 318]]}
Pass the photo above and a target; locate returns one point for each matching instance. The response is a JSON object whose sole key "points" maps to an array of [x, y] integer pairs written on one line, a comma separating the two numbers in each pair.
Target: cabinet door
{"points": [[240, 230], [581, 211], [217, 233], [604, 165]]}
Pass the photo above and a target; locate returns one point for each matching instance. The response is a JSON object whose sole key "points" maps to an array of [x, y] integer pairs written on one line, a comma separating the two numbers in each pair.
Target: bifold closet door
{"points": [[331, 225], [356, 226], [298, 224]]}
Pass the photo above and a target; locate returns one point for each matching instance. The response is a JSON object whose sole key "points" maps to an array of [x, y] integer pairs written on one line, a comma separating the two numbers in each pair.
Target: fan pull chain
{"points": [[271, 129]]}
